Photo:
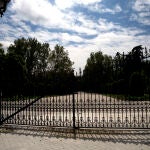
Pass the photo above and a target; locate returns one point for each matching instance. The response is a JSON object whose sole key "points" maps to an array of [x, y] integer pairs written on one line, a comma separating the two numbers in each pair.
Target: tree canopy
{"points": [[29, 66], [59, 60], [33, 54], [123, 74]]}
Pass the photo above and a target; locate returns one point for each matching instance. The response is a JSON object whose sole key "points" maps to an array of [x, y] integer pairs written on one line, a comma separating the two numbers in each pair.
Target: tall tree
{"points": [[61, 75], [33, 53], [97, 72], [59, 60], [1, 49]]}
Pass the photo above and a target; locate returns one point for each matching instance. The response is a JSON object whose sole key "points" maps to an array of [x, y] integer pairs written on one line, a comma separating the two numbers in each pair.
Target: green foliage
{"points": [[137, 84], [34, 55], [60, 75], [97, 72], [30, 66], [124, 74], [59, 60], [1, 49]]}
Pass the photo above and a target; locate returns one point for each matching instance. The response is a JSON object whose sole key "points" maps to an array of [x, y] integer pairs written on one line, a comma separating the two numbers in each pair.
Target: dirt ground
{"points": [[26, 139]]}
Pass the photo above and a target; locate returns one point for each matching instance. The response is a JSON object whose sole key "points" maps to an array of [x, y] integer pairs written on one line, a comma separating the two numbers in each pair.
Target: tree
{"points": [[1, 49], [2, 62], [137, 84], [33, 53], [129, 71], [59, 60], [33, 57], [60, 72], [3, 6], [97, 72]]}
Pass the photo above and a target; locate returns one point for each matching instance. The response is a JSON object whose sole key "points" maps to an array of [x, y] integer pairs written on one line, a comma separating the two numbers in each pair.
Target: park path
{"points": [[82, 140]]}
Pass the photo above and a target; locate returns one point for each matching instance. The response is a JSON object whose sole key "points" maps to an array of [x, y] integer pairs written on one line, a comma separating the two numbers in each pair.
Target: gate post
{"points": [[1, 115], [73, 108]]}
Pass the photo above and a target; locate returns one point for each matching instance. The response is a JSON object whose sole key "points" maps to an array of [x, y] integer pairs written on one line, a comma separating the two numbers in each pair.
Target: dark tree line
{"points": [[123, 74], [31, 67]]}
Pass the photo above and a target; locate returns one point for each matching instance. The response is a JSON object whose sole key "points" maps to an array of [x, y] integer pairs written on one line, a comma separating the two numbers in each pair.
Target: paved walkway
{"points": [[12, 139]]}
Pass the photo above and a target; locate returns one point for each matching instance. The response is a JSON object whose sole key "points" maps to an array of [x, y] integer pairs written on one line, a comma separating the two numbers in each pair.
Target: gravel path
{"points": [[82, 140]]}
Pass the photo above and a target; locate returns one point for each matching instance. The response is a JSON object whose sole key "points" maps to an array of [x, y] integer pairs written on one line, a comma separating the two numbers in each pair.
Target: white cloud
{"points": [[141, 5], [99, 8], [87, 2], [43, 13], [142, 12], [71, 38], [5, 44], [87, 34], [70, 3], [64, 4], [37, 12], [118, 8]]}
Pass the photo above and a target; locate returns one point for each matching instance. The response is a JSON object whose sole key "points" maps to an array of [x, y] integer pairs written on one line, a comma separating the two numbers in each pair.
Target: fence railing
{"points": [[77, 110]]}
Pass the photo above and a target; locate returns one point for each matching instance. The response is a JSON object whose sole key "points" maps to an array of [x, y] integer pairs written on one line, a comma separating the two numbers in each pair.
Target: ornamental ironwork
{"points": [[77, 110]]}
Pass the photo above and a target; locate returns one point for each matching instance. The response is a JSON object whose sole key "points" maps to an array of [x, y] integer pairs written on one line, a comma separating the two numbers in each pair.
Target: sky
{"points": [[81, 26]]}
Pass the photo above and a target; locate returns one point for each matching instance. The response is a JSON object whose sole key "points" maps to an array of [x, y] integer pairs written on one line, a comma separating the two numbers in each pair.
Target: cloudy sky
{"points": [[81, 26]]}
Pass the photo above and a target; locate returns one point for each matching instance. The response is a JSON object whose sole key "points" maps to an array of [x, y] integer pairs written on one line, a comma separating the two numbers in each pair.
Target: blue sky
{"points": [[81, 26]]}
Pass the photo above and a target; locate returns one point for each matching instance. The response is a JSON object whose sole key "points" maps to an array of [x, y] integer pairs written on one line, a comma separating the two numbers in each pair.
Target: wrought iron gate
{"points": [[77, 110]]}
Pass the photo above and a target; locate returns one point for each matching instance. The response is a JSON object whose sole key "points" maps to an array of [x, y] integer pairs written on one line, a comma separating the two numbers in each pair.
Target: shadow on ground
{"points": [[105, 135]]}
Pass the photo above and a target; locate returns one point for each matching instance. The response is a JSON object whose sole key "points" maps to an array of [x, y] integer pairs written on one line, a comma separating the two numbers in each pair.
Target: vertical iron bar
{"points": [[81, 118], [74, 125], [96, 119], [99, 110], [142, 117], [78, 109], [63, 108], [29, 114], [103, 103], [10, 105], [134, 118], [1, 112], [146, 114], [36, 113], [88, 118], [138, 113], [46, 107], [126, 118], [23, 110], [7, 109], [41, 116], [53, 117], [18, 108], [44, 110], [107, 109], [84, 105], [130, 105], [110, 111], [50, 109], [60, 117], [26, 112], [122, 101], [70, 113], [66, 118], [91, 105], [118, 103], [114, 119], [56, 111]]}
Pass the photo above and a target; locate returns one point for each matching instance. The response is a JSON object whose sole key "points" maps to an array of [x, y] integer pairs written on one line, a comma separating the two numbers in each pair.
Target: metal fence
{"points": [[77, 110]]}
